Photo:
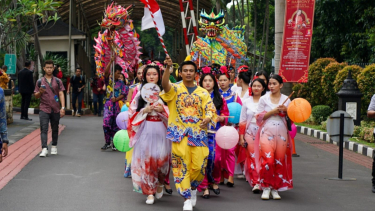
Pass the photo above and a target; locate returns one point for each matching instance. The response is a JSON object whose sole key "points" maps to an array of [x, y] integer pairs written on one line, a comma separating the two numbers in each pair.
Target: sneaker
{"points": [[78, 114], [54, 150], [150, 199], [266, 193], [114, 148], [73, 113], [193, 197], [256, 189], [187, 205], [106, 146], [275, 194], [159, 195], [44, 153]]}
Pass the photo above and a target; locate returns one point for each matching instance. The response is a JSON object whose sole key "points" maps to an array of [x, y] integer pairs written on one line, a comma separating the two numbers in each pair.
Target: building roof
{"points": [[94, 9], [58, 28]]}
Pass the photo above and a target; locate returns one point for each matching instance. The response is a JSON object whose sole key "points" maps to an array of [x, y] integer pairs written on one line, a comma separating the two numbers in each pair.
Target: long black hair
{"points": [[261, 81], [218, 100], [265, 75], [141, 101], [245, 76], [277, 78]]}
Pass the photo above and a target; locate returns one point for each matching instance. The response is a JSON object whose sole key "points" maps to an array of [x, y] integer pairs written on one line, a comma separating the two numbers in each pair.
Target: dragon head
{"points": [[212, 24], [115, 16]]}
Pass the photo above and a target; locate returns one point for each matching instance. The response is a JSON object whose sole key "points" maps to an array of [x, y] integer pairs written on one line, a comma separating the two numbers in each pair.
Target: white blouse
{"points": [[265, 104], [248, 111]]}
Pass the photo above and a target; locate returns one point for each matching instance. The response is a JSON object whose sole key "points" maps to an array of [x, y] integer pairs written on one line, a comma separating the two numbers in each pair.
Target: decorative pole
{"points": [[157, 30]]}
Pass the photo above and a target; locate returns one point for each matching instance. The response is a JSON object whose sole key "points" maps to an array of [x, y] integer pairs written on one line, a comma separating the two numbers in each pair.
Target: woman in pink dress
{"points": [[273, 146], [227, 157], [208, 82], [152, 151], [249, 129]]}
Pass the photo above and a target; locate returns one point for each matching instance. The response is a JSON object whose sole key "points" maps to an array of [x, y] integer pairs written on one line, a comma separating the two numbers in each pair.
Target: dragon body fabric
{"points": [[221, 45], [120, 38]]}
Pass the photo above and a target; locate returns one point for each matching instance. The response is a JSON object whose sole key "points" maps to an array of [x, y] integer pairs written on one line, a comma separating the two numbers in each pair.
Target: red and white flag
{"points": [[147, 21]]}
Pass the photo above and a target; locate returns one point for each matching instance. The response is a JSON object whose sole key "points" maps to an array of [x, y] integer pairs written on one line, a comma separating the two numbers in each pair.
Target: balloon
{"points": [[234, 110], [124, 108], [122, 120], [227, 137], [121, 141], [293, 133], [299, 110]]}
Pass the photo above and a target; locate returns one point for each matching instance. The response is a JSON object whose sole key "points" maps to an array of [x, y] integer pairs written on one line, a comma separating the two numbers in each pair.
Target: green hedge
{"points": [[343, 74], [320, 113], [328, 78], [366, 83], [313, 91], [17, 99]]}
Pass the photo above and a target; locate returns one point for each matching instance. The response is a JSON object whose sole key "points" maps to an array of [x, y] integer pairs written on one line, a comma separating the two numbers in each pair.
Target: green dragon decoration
{"points": [[221, 45]]}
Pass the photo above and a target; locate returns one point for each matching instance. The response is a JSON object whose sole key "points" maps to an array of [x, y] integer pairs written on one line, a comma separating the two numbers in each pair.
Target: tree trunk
{"points": [[22, 58], [218, 6], [279, 30], [263, 34], [234, 14], [267, 32], [248, 22], [38, 51], [243, 12], [239, 12], [255, 34]]}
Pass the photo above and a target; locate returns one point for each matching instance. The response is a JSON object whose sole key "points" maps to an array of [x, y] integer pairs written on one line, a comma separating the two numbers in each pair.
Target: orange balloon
{"points": [[299, 110]]}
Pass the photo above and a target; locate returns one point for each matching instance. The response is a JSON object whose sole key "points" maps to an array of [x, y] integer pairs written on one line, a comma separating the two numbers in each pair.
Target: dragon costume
{"points": [[221, 45], [119, 37]]}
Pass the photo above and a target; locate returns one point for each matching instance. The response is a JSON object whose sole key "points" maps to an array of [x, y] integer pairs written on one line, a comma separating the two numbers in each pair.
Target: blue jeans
{"points": [[76, 95], [98, 98]]}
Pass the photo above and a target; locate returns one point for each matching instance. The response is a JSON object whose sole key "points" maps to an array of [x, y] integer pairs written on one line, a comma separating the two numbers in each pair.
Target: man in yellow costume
{"points": [[191, 110]]}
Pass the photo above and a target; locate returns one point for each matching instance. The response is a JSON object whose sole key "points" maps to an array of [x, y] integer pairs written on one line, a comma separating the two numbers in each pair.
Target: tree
{"points": [[16, 17]]}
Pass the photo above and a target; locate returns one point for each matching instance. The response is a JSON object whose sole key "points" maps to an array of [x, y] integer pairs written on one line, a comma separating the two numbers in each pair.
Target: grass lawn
{"points": [[354, 139]]}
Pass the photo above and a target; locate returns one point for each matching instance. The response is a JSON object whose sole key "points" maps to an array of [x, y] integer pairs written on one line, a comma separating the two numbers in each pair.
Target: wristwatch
{"points": [[63, 108]]}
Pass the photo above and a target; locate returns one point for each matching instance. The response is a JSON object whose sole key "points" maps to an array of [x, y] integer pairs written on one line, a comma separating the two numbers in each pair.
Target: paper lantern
{"points": [[293, 133], [235, 111], [122, 120], [121, 141], [227, 137], [124, 108], [299, 110]]}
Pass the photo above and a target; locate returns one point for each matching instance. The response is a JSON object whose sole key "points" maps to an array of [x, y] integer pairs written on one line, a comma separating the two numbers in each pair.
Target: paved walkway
{"points": [[82, 177]]}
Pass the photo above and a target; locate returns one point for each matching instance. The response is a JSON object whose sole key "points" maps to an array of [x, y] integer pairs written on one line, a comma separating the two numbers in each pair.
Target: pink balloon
{"points": [[293, 133], [227, 137], [122, 120]]}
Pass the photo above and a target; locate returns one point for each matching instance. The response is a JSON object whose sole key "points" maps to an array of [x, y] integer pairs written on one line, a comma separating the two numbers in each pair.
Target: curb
{"points": [[85, 111], [349, 145]]}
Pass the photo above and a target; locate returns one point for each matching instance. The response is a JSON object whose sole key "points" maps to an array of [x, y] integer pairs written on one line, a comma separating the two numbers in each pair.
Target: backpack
{"points": [[74, 77], [39, 82]]}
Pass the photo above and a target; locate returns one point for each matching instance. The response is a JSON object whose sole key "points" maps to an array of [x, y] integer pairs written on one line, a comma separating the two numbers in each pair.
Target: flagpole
{"points": [[157, 30]]}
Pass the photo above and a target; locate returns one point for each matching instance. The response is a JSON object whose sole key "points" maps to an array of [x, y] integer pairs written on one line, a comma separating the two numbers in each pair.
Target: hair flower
{"points": [[206, 70]]}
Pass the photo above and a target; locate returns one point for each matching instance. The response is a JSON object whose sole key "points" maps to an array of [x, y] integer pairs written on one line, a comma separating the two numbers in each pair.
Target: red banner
{"points": [[295, 52]]}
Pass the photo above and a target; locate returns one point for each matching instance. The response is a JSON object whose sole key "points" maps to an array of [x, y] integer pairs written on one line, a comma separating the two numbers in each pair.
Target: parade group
{"points": [[177, 130]]}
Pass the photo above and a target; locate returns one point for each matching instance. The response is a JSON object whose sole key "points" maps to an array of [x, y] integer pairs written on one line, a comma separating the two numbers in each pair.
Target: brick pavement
{"points": [[348, 155]]}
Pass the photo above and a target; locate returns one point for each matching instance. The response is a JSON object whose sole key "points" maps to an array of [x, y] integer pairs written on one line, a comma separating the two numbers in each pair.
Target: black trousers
{"points": [[45, 119], [373, 168], [26, 99]]}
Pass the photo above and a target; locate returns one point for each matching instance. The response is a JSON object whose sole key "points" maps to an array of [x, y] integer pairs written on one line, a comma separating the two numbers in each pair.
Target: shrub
{"points": [[357, 131], [343, 74], [329, 75], [366, 83], [299, 90], [17, 99], [368, 134], [323, 125], [320, 113], [314, 90]]}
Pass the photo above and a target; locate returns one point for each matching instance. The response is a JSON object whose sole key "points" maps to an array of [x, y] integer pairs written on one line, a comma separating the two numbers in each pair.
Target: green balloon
{"points": [[121, 141]]}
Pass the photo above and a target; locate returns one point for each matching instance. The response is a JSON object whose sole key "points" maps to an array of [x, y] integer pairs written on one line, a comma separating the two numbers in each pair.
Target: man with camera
{"points": [[98, 94]]}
